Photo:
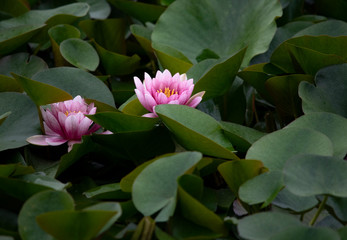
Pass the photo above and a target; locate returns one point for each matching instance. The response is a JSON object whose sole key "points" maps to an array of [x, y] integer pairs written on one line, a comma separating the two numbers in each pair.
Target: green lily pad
{"points": [[308, 54], [115, 63], [22, 28], [41, 93], [155, 188], [307, 175], [328, 94], [4, 116], [171, 59], [76, 82], [143, 36], [191, 34], [302, 141], [22, 64], [329, 124], [240, 136], [284, 92], [304, 233], [107, 191], [15, 8], [262, 188], [74, 225], [237, 172], [215, 76], [57, 35], [79, 53], [288, 200], [195, 130], [99, 9], [195, 211], [263, 226], [13, 37], [339, 206], [25, 186], [23, 122], [107, 206], [42, 202]]}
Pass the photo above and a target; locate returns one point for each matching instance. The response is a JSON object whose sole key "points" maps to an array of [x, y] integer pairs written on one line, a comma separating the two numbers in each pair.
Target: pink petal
{"points": [[162, 98], [94, 128], [183, 98], [195, 99], [173, 102], [83, 127], [150, 115], [107, 132], [52, 122], [38, 140], [139, 84], [194, 102], [148, 83], [55, 141], [71, 127], [150, 101], [142, 99], [49, 131], [71, 143], [92, 111]]}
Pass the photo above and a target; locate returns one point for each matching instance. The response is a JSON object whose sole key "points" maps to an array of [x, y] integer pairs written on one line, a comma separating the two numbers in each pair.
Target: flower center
{"points": [[67, 113], [167, 92]]}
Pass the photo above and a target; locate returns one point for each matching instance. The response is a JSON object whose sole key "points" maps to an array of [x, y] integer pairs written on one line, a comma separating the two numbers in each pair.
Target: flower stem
{"points": [[320, 208]]}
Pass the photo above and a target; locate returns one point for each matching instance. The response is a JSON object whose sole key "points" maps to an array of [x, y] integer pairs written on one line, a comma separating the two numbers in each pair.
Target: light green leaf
{"points": [[307, 175], [273, 149], [79, 53], [195, 130], [195, 28]]}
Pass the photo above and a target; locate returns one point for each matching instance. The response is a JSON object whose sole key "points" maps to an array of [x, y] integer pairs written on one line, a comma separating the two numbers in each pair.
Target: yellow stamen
{"points": [[67, 112], [168, 92]]}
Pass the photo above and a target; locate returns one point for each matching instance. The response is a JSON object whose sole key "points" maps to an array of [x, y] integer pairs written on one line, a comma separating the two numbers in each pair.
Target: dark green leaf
{"points": [[155, 188], [143, 11], [40, 203], [23, 122], [235, 173], [215, 76], [328, 94], [240, 136], [74, 225], [120, 122]]}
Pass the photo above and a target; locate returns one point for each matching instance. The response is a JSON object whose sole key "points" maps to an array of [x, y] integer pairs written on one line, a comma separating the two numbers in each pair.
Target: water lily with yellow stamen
{"points": [[65, 122], [166, 89]]}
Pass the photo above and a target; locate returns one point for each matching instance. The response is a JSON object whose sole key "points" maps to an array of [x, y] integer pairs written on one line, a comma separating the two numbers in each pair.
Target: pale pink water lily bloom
{"points": [[65, 122], [166, 89]]}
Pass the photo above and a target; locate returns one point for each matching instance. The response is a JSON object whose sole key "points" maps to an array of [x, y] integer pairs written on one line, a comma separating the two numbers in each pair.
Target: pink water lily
{"points": [[65, 122], [166, 89]]}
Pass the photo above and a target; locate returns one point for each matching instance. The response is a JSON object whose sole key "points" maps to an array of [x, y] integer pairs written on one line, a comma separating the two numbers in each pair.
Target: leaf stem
{"points": [[320, 208]]}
